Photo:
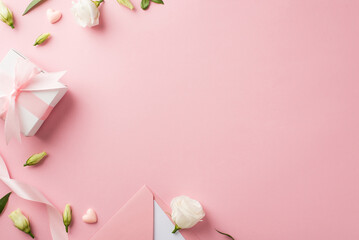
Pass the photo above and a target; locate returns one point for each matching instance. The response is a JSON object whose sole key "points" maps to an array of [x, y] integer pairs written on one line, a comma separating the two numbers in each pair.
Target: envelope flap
{"points": [[163, 226], [133, 221]]}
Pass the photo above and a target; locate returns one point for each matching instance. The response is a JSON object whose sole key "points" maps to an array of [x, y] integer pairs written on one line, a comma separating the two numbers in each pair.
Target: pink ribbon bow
{"points": [[17, 91]]}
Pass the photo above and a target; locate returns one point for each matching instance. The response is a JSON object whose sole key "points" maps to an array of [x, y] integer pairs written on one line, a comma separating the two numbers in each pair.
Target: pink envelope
{"points": [[143, 217]]}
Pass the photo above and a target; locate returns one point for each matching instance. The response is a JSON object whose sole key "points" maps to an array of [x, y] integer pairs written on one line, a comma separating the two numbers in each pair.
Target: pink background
{"points": [[250, 107]]}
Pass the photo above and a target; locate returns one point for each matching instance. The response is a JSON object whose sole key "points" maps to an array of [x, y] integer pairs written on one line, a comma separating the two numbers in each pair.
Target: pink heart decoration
{"points": [[53, 16], [90, 216]]}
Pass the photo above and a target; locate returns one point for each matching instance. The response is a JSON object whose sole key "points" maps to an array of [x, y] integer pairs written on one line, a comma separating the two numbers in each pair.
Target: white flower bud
{"points": [[21, 222], [6, 15], [67, 216]]}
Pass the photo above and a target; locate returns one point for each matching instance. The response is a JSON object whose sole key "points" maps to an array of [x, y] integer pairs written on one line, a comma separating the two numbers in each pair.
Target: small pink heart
{"points": [[53, 16], [90, 216]]}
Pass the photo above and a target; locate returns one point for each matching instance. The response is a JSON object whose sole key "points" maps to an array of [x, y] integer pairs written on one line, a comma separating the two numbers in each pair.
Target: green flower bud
{"points": [[42, 38], [6, 15], [21, 222], [67, 216], [35, 159]]}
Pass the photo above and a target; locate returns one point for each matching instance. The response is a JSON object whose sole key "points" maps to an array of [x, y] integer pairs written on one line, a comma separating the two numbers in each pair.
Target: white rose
{"points": [[186, 212], [86, 12]]}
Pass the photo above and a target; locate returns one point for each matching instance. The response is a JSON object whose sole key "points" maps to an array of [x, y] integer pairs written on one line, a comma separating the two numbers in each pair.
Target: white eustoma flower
{"points": [[21, 222], [186, 212], [6, 15], [86, 12]]}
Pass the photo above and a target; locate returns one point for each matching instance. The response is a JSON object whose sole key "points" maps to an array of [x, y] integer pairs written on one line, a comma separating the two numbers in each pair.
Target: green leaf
{"points": [[225, 234], [158, 1], [3, 202], [145, 4], [31, 5], [126, 3]]}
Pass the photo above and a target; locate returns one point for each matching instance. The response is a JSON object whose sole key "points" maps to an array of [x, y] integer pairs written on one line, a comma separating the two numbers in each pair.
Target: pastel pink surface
{"points": [[250, 107]]}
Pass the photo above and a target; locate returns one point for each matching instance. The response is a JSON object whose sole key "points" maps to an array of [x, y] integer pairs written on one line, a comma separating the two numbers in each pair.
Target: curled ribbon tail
{"points": [[56, 224], [12, 122], [3, 106], [30, 193]]}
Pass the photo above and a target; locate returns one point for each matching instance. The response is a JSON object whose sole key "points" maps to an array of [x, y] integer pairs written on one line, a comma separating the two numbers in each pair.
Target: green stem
{"points": [[225, 234], [32, 235], [97, 3], [176, 229], [67, 229]]}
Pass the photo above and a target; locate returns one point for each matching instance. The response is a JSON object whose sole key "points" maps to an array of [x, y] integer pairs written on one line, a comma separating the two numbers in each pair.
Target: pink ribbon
{"points": [[30, 193], [18, 91]]}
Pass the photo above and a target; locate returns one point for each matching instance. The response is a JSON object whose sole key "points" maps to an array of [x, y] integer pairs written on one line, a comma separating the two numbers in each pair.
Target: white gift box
{"points": [[29, 122]]}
